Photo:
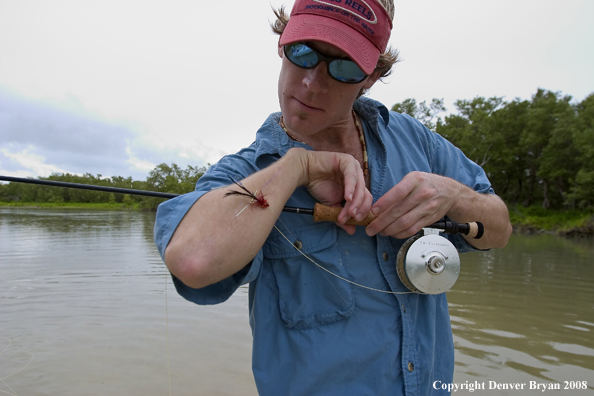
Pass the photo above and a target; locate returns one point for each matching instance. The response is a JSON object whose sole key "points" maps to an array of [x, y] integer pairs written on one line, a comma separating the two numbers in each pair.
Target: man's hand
{"points": [[421, 199], [418, 200], [335, 177]]}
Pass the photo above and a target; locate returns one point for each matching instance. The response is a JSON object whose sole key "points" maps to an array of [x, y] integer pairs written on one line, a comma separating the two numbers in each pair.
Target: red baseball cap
{"points": [[361, 28]]}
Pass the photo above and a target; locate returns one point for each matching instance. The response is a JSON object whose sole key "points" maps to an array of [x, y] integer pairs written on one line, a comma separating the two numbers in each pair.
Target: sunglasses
{"points": [[340, 69]]}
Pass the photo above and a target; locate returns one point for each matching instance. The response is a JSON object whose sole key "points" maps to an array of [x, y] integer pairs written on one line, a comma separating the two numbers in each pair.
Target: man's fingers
{"points": [[395, 195], [365, 207], [396, 213], [355, 190], [333, 177], [406, 226]]}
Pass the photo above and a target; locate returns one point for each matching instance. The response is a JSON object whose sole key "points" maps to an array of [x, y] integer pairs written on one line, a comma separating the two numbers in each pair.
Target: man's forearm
{"points": [[212, 242], [490, 210]]}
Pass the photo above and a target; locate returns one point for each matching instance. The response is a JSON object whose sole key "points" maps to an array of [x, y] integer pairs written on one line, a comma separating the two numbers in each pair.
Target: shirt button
{"points": [[386, 257], [298, 245], [411, 366]]}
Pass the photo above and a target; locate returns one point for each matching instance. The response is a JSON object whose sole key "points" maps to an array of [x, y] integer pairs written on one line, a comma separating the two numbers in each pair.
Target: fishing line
{"points": [[365, 325], [10, 375], [330, 272], [167, 331]]}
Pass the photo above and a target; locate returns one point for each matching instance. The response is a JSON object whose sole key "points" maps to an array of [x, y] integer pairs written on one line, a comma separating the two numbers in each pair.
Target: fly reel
{"points": [[429, 263]]}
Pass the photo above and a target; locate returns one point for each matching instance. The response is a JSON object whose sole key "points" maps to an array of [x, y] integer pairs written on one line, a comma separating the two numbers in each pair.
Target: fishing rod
{"points": [[319, 212], [426, 263], [81, 186]]}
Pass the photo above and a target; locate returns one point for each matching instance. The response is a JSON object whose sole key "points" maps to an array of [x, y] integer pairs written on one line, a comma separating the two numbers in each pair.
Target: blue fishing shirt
{"points": [[316, 334]]}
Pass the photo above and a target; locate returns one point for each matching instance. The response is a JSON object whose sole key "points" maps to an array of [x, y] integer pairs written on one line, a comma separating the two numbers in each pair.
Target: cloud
{"points": [[138, 163], [26, 123], [132, 87], [40, 139], [34, 164], [192, 150]]}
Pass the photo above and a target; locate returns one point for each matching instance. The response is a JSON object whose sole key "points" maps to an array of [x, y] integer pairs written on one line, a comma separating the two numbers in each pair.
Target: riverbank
{"points": [[73, 205], [535, 219], [531, 220]]}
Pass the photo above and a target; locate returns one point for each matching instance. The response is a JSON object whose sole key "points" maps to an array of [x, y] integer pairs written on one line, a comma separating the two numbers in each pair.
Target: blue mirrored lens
{"points": [[346, 71], [303, 56], [343, 70]]}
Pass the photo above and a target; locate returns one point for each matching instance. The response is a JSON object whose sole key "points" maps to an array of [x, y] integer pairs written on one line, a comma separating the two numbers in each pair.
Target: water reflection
{"points": [[42, 224], [84, 291], [526, 311], [84, 296]]}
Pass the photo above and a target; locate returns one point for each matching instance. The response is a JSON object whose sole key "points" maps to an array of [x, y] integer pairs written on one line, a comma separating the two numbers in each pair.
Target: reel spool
{"points": [[428, 263]]}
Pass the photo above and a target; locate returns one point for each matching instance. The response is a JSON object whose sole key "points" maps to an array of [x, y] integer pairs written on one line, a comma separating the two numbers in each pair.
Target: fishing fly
{"points": [[256, 196]]}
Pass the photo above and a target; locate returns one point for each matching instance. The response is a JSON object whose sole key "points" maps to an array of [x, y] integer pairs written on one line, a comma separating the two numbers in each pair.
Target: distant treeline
{"points": [[537, 152], [164, 178]]}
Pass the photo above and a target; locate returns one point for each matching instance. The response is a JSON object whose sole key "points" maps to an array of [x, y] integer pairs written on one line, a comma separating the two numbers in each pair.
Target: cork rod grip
{"points": [[330, 213]]}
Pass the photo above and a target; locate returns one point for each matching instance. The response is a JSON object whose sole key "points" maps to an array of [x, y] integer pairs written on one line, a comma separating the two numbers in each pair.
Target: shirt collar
{"points": [[371, 111], [272, 139]]}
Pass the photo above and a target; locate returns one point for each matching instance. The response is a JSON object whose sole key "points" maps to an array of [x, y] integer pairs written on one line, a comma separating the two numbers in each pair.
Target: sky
{"points": [[116, 87]]}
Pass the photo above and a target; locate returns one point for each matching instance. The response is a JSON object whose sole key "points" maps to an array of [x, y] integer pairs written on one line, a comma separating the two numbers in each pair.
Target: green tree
{"points": [[164, 178], [559, 163], [545, 147], [583, 133], [506, 168], [427, 114], [471, 130], [170, 179]]}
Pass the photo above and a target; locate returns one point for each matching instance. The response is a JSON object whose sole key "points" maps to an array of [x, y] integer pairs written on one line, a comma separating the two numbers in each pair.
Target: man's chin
{"points": [[302, 115]]}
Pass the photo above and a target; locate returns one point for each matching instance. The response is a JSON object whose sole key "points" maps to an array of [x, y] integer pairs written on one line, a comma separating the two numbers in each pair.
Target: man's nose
{"points": [[316, 79]]}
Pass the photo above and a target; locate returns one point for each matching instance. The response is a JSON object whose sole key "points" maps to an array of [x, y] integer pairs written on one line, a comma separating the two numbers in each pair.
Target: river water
{"points": [[86, 308]]}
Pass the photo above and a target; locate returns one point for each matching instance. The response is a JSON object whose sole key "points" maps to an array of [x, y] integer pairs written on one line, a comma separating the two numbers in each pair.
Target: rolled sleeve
{"points": [[169, 215], [221, 291]]}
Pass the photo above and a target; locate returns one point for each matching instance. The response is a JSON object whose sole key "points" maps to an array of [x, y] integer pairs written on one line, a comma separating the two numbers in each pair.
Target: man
{"points": [[315, 333]]}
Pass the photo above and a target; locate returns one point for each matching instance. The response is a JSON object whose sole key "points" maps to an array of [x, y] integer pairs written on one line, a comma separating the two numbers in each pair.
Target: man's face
{"points": [[310, 99]]}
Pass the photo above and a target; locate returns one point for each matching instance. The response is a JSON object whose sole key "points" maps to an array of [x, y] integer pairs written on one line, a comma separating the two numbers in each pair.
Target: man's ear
{"points": [[372, 79], [280, 49]]}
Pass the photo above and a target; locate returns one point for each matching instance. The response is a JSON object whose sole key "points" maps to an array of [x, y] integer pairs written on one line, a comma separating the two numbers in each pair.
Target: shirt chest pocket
{"points": [[309, 296]]}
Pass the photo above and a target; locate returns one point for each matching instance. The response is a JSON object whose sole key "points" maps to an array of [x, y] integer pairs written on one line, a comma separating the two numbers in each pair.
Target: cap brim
{"points": [[318, 28]]}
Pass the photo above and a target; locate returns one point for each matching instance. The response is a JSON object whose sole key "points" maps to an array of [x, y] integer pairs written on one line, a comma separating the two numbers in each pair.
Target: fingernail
{"points": [[375, 210]]}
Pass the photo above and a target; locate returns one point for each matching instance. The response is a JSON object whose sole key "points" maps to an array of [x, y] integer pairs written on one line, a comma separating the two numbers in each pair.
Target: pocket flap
{"points": [[309, 297], [308, 239]]}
